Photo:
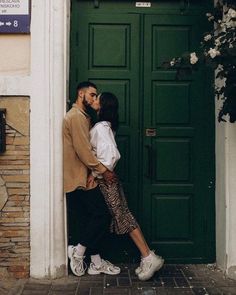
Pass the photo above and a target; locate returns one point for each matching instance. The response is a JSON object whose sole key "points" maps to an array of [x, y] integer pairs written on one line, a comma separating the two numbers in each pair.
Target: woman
{"points": [[105, 148]]}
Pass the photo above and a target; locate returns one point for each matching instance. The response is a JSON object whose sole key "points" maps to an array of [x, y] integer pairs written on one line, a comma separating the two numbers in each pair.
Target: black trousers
{"points": [[88, 219]]}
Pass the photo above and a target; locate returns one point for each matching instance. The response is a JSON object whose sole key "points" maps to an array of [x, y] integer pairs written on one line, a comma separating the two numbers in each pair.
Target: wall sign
{"points": [[143, 4], [14, 16]]}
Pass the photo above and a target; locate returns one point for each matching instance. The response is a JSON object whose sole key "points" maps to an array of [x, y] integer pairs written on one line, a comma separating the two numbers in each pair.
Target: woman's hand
{"points": [[109, 177]]}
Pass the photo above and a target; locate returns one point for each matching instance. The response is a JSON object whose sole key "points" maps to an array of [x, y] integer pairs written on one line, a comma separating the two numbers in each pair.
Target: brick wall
{"points": [[15, 190]]}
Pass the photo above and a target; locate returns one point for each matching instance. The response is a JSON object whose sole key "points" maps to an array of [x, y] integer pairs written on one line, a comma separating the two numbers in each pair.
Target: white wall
{"points": [[49, 39], [226, 196], [231, 200]]}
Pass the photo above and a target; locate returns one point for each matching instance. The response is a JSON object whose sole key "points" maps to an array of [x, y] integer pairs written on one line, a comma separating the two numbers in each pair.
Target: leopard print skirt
{"points": [[122, 219]]}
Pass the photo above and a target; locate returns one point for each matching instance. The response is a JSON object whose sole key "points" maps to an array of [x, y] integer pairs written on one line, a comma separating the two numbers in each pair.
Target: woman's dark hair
{"points": [[109, 109]]}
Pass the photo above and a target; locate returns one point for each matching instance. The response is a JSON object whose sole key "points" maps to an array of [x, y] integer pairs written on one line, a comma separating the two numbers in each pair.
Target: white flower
{"points": [[217, 42], [207, 37], [208, 14], [193, 58], [232, 13], [172, 62], [211, 18], [213, 52]]}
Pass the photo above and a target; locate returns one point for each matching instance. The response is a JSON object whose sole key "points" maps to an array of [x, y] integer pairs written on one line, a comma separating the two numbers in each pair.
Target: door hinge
{"points": [[184, 5], [96, 3]]}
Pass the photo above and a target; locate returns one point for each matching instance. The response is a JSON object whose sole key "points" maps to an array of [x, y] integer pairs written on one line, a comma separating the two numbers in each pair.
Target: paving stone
{"points": [[200, 282], [168, 282], [34, 292], [171, 280], [64, 287], [83, 291], [181, 282], [117, 291], [200, 291], [35, 286], [96, 291], [228, 290], [158, 282], [213, 291], [181, 291], [62, 292], [88, 284], [146, 284], [110, 282], [125, 282]]}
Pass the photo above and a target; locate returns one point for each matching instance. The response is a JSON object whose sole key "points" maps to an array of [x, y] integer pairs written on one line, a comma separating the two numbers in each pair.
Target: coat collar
{"points": [[81, 110]]}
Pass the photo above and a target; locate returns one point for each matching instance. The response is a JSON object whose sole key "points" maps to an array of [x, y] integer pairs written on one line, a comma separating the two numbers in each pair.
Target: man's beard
{"points": [[90, 111]]}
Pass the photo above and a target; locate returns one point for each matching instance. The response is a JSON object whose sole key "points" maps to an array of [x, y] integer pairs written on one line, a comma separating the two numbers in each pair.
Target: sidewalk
{"points": [[172, 279]]}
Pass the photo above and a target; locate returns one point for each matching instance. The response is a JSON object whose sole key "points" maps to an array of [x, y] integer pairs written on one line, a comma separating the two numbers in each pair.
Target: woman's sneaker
{"points": [[105, 267], [150, 266], [139, 268], [77, 264]]}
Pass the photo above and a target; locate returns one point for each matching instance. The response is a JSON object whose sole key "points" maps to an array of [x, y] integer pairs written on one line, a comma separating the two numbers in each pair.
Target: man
{"points": [[87, 206]]}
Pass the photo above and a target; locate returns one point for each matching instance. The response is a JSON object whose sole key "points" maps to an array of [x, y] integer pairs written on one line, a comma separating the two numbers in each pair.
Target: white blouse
{"points": [[104, 145]]}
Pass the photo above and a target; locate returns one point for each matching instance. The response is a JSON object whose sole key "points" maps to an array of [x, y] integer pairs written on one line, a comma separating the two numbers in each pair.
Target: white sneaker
{"points": [[139, 268], [150, 266], [106, 267], [77, 264]]}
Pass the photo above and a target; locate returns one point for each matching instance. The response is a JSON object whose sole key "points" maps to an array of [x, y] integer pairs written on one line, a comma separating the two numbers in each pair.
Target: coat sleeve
{"points": [[105, 146], [80, 140]]}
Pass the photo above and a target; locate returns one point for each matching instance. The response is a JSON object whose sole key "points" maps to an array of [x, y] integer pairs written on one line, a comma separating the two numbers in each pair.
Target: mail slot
{"points": [[150, 132], [2, 130]]}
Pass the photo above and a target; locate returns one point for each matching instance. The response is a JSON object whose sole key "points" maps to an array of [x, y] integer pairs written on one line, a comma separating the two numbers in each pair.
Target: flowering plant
{"points": [[218, 50]]}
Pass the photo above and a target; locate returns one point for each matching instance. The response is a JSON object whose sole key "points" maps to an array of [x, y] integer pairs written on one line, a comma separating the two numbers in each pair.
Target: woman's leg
{"points": [[139, 240]]}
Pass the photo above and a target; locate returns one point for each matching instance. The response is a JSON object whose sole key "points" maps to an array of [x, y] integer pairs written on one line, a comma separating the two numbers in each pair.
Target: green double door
{"points": [[166, 134]]}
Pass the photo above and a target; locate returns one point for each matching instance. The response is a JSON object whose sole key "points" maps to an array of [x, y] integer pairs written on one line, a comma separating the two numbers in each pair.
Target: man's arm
{"points": [[80, 139]]}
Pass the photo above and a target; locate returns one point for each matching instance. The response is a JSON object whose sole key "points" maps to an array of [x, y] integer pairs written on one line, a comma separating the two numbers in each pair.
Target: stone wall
{"points": [[15, 190]]}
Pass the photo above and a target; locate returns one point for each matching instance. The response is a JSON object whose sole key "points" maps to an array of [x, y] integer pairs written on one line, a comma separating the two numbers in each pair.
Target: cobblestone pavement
{"points": [[172, 279]]}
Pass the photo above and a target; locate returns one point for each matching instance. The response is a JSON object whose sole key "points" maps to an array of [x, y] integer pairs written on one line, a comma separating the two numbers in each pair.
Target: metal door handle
{"points": [[149, 168]]}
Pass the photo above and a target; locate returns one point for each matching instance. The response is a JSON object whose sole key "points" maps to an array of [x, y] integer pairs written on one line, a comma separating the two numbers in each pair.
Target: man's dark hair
{"points": [[85, 84], [109, 109]]}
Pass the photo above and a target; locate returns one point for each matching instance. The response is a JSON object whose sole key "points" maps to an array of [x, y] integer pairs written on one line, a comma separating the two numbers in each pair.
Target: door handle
{"points": [[149, 156]]}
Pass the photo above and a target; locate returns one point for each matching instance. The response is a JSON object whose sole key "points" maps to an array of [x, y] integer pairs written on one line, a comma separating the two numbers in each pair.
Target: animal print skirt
{"points": [[122, 219]]}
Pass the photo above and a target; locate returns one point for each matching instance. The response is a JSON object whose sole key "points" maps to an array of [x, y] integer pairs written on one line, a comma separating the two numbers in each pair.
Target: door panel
{"points": [[166, 134], [174, 193], [107, 54]]}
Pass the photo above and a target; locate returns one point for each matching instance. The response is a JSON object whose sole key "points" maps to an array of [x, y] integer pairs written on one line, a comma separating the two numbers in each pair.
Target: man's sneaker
{"points": [[105, 267], [77, 264], [150, 266]]}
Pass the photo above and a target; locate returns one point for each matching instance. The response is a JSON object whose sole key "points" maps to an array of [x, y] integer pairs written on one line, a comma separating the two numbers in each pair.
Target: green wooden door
{"points": [[166, 134]]}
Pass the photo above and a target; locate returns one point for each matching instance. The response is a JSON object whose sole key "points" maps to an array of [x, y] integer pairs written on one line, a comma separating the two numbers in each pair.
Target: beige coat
{"points": [[78, 156]]}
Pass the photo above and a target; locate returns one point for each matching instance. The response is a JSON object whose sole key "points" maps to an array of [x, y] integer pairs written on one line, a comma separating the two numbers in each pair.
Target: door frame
{"points": [[204, 228]]}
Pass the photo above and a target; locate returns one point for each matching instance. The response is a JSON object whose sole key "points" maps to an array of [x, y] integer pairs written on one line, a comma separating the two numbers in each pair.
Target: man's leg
{"points": [[96, 231], [76, 223], [76, 216], [98, 220]]}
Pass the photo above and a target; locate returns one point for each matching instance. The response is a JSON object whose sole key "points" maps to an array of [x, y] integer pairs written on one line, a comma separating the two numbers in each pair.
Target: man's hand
{"points": [[91, 182], [109, 176]]}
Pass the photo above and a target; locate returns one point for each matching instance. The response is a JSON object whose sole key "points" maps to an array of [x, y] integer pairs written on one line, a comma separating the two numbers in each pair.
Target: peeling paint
{"points": [[3, 193]]}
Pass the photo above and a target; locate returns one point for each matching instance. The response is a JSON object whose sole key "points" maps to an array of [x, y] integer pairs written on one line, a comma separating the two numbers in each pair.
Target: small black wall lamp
{"points": [[2, 130]]}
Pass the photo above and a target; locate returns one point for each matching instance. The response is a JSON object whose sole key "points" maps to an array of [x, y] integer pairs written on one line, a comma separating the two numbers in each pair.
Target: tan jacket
{"points": [[78, 156]]}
